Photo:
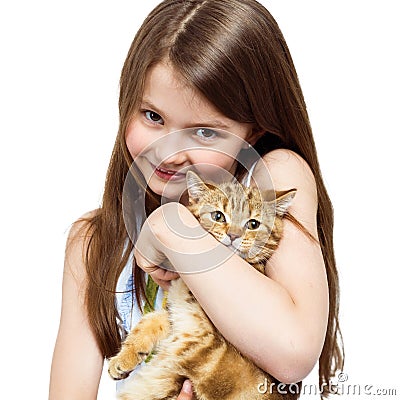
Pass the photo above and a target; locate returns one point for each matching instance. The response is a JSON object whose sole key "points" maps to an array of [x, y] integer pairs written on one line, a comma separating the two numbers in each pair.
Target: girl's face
{"points": [[167, 136]]}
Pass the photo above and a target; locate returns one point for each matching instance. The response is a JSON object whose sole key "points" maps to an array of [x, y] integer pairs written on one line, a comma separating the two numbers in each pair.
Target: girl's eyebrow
{"points": [[148, 104], [215, 123]]}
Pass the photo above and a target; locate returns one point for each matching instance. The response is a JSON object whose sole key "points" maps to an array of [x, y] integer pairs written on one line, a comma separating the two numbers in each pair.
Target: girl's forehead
{"points": [[180, 105], [166, 89]]}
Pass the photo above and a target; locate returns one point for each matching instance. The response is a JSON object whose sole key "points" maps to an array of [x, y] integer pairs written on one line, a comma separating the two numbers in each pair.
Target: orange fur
{"points": [[187, 343]]}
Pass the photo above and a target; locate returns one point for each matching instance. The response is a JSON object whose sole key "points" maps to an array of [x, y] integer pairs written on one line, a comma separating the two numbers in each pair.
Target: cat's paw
{"points": [[116, 369], [120, 367]]}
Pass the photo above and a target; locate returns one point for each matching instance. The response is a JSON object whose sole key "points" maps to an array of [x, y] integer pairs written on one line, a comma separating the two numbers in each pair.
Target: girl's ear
{"points": [[256, 133], [195, 185]]}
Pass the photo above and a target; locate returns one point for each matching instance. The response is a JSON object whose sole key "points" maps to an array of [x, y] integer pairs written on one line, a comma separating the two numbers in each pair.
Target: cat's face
{"points": [[243, 219]]}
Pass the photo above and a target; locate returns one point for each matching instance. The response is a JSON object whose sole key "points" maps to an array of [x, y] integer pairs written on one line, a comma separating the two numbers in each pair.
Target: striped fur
{"points": [[187, 343]]}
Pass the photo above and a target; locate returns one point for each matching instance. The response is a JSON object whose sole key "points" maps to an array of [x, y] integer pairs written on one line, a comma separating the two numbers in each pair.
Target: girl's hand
{"points": [[186, 392], [163, 277], [172, 241], [149, 248]]}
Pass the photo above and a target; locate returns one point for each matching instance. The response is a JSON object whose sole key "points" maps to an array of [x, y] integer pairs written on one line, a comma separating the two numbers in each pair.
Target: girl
{"points": [[204, 64]]}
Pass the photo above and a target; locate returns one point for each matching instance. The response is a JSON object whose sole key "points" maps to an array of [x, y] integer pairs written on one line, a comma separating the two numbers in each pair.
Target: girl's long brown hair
{"points": [[233, 52]]}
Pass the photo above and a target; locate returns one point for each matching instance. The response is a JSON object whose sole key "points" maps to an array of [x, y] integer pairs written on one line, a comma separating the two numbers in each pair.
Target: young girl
{"points": [[215, 64]]}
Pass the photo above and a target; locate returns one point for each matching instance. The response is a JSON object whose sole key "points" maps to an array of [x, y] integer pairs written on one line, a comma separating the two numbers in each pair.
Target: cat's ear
{"points": [[195, 185], [283, 201]]}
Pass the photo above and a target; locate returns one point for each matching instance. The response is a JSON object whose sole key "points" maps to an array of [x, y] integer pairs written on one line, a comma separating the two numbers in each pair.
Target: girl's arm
{"points": [[77, 362], [279, 320]]}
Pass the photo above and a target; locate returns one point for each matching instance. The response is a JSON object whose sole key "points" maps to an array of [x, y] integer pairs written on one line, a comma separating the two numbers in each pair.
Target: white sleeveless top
{"points": [[128, 309], [127, 306]]}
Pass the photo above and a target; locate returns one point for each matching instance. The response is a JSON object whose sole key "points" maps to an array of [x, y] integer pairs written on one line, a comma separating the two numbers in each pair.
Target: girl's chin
{"points": [[168, 191]]}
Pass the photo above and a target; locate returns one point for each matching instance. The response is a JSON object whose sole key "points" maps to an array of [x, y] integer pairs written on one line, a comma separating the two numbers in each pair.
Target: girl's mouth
{"points": [[168, 174]]}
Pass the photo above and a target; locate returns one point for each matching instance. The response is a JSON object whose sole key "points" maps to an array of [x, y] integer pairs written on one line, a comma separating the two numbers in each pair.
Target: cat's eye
{"points": [[218, 216], [252, 224]]}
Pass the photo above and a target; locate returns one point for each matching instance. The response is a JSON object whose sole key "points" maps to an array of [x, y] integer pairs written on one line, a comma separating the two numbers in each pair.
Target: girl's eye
{"points": [[218, 216], [206, 134], [153, 117], [252, 224]]}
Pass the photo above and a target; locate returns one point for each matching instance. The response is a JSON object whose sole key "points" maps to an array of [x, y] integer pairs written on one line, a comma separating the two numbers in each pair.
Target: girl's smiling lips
{"points": [[167, 174]]}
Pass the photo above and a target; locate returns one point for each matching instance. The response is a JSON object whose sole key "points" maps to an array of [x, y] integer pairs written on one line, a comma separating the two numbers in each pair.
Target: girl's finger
{"points": [[186, 392], [164, 274]]}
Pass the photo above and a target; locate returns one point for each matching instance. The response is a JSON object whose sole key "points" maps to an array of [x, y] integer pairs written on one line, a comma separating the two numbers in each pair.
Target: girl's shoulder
{"points": [[88, 216], [77, 242], [286, 165], [288, 170], [81, 229]]}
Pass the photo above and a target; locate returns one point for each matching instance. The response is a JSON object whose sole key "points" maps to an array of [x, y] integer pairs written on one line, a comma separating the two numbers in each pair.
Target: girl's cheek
{"points": [[212, 159], [135, 138]]}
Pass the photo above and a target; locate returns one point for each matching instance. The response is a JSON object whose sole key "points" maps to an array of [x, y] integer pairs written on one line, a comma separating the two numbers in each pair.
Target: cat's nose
{"points": [[233, 236]]}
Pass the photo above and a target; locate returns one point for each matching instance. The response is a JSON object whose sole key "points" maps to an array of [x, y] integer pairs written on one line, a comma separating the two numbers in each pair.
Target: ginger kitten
{"points": [[186, 343]]}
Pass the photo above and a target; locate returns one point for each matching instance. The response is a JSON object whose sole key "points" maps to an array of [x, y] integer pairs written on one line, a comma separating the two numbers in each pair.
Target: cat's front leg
{"points": [[139, 343]]}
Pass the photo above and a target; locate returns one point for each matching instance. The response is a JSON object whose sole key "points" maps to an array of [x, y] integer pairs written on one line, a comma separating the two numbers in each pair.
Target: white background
{"points": [[60, 65]]}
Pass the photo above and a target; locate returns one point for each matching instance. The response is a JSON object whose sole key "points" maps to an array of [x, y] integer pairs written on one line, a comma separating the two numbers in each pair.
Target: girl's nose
{"points": [[176, 158], [170, 149]]}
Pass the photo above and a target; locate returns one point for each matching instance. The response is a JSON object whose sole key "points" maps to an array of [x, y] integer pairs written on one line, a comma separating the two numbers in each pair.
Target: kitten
{"points": [[187, 343]]}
